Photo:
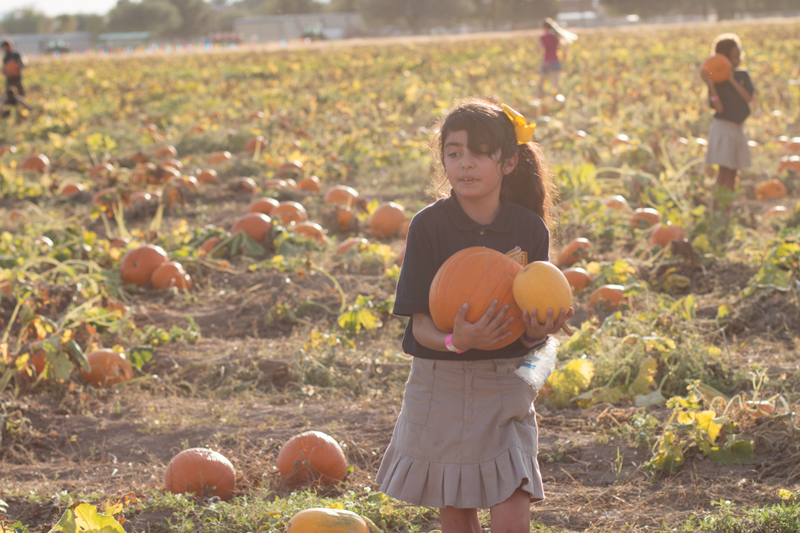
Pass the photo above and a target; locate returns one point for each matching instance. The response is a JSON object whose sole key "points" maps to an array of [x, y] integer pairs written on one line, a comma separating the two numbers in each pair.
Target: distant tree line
{"points": [[187, 19]]}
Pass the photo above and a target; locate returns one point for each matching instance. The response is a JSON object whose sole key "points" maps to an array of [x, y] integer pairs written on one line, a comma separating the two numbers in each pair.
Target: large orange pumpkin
{"points": [[792, 145], [542, 285], [170, 274], [718, 67], [36, 163], [476, 276], [311, 230], [342, 195], [207, 175], [202, 472], [776, 211], [310, 183], [208, 245], [290, 169], [349, 244], [288, 212], [578, 278], [100, 170], [107, 368], [254, 225], [387, 220], [770, 189], [573, 252], [789, 162], [610, 295], [166, 152], [219, 157], [616, 202], [138, 265], [7, 149], [258, 142], [664, 234], [311, 456], [172, 163], [68, 189], [317, 520], [644, 217], [263, 205], [247, 185]]}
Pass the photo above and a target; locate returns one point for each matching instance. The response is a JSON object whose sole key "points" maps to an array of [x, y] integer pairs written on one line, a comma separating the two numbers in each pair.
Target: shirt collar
{"points": [[501, 223]]}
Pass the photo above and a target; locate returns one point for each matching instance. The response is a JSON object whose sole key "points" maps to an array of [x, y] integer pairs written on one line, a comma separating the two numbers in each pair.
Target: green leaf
{"points": [[84, 518], [353, 321], [645, 382], [75, 351], [139, 356], [570, 381]]}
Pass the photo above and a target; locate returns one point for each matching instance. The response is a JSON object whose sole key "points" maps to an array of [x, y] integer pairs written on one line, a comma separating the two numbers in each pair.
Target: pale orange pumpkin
{"points": [[573, 252], [387, 220], [207, 175], [718, 67], [290, 169], [610, 295], [664, 234], [35, 162], [208, 245], [644, 217], [202, 472], [255, 225], [352, 243], [107, 368], [265, 206], [258, 142], [100, 170], [542, 285], [7, 149], [309, 229], [278, 184], [68, 189], [776, 211], [318, 520], [288, 212], [476, 276], [770, 189], [343, 195], [139, 264], [246, 185], [166, 152], [617, 203], [578, 278], [219, 157], [309, 457], [309, 183], [789, 162], [170, 274]]}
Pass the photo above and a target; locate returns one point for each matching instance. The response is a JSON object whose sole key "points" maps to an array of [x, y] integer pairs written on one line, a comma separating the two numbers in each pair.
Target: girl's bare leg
{"points": [[459, 520], [512, 515], [725, 178]]}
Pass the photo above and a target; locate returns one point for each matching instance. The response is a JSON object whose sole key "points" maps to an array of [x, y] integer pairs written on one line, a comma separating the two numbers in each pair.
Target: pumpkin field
{"points": [[233, 223]]}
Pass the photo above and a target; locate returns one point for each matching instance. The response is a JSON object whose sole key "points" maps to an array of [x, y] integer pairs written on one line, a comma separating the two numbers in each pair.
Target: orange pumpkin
{"points": [[166, 152], [246, 185], [288, 212], [792, 145], [103, 169], [278, 184], [776, 211], [387, 220], [573, 252], [349, 244], [664, 234], [207, 175], [290, 169], [542, 285], [107, 368], [610, 295], [35, 162], [140, 197], [644, 217], [7, 149], [68, 189], [789, 162], [341, 195], [311, 456], [208, 245], [311, 230], [617, 203], [138, 265], [219, 157], [317, 520], [119, 243], [577, 278], [475, 276], [254, 225], [258, 142], [770, 189], [202, 472], [266, 206], [5, 287], [172, 163], [170, 274], [718, 67], [310, 183]]}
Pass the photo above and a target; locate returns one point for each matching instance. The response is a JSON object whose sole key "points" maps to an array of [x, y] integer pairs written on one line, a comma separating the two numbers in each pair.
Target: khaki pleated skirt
{"points": [[727, 145], [466, 436]]}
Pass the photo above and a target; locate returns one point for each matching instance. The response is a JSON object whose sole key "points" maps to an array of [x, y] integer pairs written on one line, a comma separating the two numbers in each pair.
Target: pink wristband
{"points": [[448, 342]]}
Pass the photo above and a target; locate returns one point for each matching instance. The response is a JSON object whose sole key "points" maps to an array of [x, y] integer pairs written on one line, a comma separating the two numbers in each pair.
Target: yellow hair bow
{"points": [[523, 130]]}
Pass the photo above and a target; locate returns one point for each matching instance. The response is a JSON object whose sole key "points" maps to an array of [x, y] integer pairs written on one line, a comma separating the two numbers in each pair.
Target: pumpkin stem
{"points": [[515, 254]]}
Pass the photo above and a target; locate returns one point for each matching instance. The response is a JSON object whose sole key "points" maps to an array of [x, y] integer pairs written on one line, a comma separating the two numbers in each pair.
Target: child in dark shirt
{"points": [[730, 99]]}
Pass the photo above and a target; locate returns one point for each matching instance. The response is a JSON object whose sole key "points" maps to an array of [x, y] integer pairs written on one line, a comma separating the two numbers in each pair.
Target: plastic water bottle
{"points": [[538, 366]]}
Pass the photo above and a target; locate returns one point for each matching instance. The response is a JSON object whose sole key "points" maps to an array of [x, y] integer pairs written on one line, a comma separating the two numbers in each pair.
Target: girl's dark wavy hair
{"points": [[489, 129]]}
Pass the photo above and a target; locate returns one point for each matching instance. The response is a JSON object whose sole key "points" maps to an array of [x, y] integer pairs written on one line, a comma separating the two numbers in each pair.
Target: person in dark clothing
{"points": [[13, 64]]}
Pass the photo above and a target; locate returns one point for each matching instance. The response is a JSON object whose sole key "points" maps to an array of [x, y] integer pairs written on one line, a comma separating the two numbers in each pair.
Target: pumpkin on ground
{"points": [[317, 520], [288, 212], [542, 285], [352, 243], [776, 211], [789, 162], [578, 278], [387, 220], [246, 185], [208, 245], [256, 143], [170, 274], [202, 472], [254, 225], [770, 189], [476, 276], [664, 234], [107, 368], [340, 219], [610, 295], [264, 206], [718, 67], [311, 456], [36, 163], [617, 203], [310, 184], [311, 230], [7, 149], [166, 152], [644, 217], [219, 157], [573, 252], [100, 170], [276, 184], [138, 265], [68, 189], [346, 196], [290, 169], [207, 175]]}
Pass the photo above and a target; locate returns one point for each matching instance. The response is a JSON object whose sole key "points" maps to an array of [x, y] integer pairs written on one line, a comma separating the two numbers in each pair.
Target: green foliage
{"points": [[780, 265], [156, 336], [359, 315]]}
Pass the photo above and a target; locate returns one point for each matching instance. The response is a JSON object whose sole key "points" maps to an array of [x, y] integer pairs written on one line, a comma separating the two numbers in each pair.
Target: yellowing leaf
{"points": [[705, 421], [570, 381], [645, 382], [84, 518]]}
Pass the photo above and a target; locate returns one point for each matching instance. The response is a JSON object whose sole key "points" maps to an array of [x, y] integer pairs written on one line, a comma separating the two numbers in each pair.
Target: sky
{"points": [[58, 7]]}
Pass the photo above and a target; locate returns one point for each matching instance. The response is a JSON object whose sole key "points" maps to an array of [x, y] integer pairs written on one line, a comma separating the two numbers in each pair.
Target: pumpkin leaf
{"points": [[568, 382], [84, 518], [645, 382], [707, 421]]}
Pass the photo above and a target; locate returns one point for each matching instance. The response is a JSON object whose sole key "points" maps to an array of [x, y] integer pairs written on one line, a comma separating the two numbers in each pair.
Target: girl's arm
{"points": [[746, 96], [489, 329], [712, 91]]}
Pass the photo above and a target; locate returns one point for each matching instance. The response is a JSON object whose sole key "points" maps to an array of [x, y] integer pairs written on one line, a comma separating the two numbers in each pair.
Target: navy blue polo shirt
{"points": [[734, 108], [439, 231]]}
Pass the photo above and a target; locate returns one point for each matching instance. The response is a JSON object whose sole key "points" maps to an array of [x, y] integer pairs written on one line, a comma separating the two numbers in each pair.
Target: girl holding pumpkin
{"points": [[466, 438], [730, 99], [552, 38]]}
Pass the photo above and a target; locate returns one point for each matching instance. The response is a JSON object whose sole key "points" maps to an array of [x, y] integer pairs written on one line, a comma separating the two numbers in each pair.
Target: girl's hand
{"points": [[537, 330], [705, 76], [488, 330]]}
